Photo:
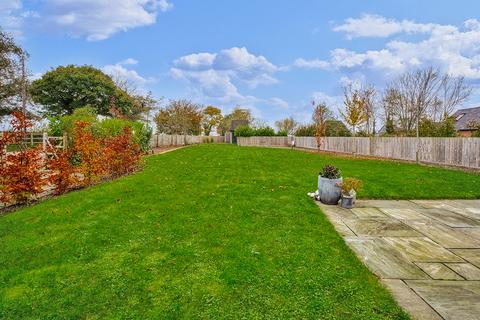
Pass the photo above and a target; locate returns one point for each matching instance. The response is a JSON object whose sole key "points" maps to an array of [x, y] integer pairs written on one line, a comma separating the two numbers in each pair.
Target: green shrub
{"points": [[430, 128], [336, 128], [112, 127], [106, 128], [59, 125], [264, 132], [282, 133], [305, 131], [244, 131]]}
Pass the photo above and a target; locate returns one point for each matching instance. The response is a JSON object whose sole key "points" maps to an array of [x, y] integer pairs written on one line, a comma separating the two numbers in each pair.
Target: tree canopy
{"points": [[212, 117], [11, 77], [287, 125], [66, 88], [180, 117]]}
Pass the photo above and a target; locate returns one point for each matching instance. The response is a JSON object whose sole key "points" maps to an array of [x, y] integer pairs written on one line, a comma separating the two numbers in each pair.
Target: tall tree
{"points": [[288, 125], [144, 104], [62, 90], [212, 117], [369, 96], [355, 113], [425, 93], [180, 117], [238, 113], [12, 74], [321, 114]]}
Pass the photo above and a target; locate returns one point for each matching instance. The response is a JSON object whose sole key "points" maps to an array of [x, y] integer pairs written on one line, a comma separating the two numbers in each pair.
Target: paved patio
{"points": [[427, 252]]}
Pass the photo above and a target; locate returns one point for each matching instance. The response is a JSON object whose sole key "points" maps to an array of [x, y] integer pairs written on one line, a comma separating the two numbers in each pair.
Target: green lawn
{"points": [[211, 231]]}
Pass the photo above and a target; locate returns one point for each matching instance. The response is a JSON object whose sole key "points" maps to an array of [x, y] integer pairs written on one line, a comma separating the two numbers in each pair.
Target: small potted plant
{"points": [[329, 182], [350, 187]]}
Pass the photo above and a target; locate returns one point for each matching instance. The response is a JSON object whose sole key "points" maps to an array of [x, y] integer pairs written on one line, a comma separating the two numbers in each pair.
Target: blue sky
{"points": [[271, 56]]}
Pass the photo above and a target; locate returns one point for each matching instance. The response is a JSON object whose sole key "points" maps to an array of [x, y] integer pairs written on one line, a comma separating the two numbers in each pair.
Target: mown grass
{"points": [[209, 231]]}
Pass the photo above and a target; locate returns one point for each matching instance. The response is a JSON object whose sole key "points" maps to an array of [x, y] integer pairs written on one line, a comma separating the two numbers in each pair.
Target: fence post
{"points": [[65, 141], [5, 146], [371, 146], [44, 141]]}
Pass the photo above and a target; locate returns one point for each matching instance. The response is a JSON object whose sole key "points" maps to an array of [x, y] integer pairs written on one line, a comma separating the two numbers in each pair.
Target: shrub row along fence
{"points": [[161, 140], [458, 152]]}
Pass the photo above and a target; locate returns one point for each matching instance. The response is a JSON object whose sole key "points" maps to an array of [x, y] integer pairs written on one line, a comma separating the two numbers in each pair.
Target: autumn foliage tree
{"points": [[180, 117], [355, 113], [212, 117], [321, 114]]}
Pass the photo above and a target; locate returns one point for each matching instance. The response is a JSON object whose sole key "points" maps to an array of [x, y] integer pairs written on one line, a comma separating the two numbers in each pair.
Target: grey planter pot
{"points": [[347, 201], [329, 190]]}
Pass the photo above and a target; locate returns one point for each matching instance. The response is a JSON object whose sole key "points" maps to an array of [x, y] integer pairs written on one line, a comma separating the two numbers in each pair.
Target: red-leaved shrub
{"points": [[21, 173], [122, 154], [90, 151], [62, 173]]}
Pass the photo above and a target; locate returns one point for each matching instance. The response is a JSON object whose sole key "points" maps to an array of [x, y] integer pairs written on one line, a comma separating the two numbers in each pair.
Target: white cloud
{"points": [[210, 82], [370, 25], [128, 61], [278, 102], [11, 16], [332, 102], [164, 5], [215, 78], [311, 64], [100, 19], [216, 74], [195, 61], [455, 50], [121, 72]]}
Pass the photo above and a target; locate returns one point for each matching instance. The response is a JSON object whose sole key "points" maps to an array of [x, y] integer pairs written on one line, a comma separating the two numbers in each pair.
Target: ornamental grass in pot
{"points": [[329, 182], [350, 187]]}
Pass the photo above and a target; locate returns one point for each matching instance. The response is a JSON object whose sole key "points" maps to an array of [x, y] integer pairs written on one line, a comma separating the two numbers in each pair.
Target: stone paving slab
{"points": [[405, 214], [426, 252], [381, 228], [471, 232], [449, 218], [380, 204], [438, 271], [444, 235], [455, 300], [466, 270], [422, 250], [470, 255], [383, 260], [368, 213], [410, 301]]}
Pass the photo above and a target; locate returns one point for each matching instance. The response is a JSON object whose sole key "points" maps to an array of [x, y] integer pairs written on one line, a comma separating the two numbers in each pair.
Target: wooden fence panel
{"points": [[459, 151], [264, 141], [160, 140]]}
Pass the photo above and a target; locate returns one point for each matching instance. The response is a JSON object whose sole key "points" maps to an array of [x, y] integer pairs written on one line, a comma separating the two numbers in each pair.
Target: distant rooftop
{"points": [[464, 117]]}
